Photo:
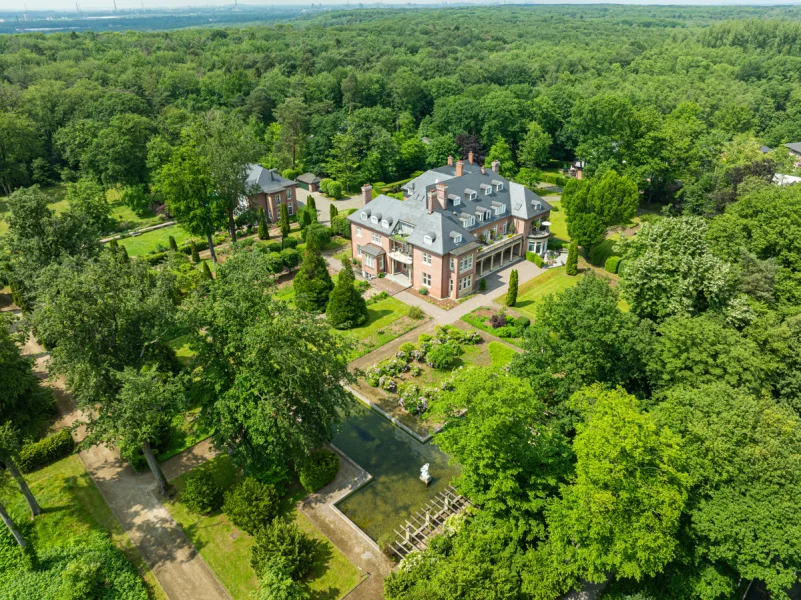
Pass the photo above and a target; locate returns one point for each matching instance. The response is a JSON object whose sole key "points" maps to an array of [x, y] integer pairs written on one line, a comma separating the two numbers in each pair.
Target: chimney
{"points": [[459, 168], [450, 160], [431, 195], [483, 169], [367, 193], [442, 195], [470, 157], [578, 173], [496, 165]]}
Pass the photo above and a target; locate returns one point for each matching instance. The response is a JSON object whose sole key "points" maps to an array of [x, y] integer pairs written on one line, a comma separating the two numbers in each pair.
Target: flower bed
{"points": [[500, 323]]}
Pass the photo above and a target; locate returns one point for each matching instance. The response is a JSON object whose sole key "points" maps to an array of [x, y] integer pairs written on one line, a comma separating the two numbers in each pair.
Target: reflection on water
{"points": [[394, 459]]}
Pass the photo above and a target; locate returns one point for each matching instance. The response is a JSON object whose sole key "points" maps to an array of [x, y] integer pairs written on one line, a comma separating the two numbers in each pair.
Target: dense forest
{"points": [[652, 444]]}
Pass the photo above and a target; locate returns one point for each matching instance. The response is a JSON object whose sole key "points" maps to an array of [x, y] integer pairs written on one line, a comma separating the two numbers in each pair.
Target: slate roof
{"points": [[794, 147], [445, 226], [309, 178], [267, 180]]}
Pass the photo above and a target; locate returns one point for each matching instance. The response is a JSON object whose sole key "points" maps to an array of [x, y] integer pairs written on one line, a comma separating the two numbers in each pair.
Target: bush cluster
{"points": [[512, 328], [201, 493], [38, 454], [341, 226], [318, 470], [283, 539], [251, 504], [535, 258], [612, 263]]}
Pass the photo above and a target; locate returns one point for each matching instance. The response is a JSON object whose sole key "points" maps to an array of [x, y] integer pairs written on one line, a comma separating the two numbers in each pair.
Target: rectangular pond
{"points": [[394, 459]]}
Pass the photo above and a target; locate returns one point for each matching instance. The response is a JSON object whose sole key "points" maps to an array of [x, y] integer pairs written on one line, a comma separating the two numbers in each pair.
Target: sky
{"points": [[89, 5]]}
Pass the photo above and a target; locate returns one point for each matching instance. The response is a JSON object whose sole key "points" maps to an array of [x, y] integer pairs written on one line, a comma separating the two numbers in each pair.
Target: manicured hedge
{"points": [[612, 263], [319, 470], [559, 180], [52, 448], [341, 226], [535, 258]]}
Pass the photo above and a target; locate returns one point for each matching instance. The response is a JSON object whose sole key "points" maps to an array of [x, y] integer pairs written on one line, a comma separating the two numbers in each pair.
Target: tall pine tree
{"points": [[312, 283], [283, 221], [264, 228], [572, 258], [511, 294], [346, 306]]}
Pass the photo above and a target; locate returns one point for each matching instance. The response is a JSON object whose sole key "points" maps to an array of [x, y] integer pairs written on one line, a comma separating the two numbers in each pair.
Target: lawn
{"points": [[226, 549], [501, 354], [184, 432], [386, 320], [72, 505], [558, 220], [532, 292], [153, 241]]}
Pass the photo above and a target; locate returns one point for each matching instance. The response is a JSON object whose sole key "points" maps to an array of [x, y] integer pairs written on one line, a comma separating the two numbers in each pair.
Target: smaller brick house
{"points": [[795, 153], [269, 190]]}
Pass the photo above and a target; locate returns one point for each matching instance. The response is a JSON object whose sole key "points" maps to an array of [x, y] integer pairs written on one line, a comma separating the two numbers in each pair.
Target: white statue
{"points": [[424, 475]]}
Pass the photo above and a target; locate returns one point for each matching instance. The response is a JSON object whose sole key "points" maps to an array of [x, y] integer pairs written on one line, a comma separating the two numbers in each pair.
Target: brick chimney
{"points": [[432, 193], [470, 157], [496, 165], [450, 160], [442, 195], [367, 193], [459, 168]]}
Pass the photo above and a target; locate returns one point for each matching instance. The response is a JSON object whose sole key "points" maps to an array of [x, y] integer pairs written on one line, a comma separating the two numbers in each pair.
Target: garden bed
{"points": [[226, 548], [444, 304], [404, 386], [510, 328]]}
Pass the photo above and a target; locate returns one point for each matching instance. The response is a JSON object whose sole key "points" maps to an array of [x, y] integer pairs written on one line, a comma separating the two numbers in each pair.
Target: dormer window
{"points": [[498, 184], [384, 223], [537, 205], [374, 220], [480, 215], [486, 188], [499, 208], [471, 194], [457, 239], [363, 216], [427, 239], [455, 199]]}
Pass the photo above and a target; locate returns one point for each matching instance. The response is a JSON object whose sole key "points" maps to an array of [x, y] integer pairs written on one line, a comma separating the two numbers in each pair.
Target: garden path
{"points": [[180, 570]]}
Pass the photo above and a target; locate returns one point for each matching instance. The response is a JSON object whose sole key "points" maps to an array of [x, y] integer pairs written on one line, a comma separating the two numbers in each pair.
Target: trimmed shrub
{"points": [[291, 173], [264, 228], [283, 539], [535, 258], [201, 494], [321, 234], [600, 253], [444, 356], [274, 246], [482, 284], [407, 348], [522, 322], [572, 259], [154, 259], [318, 470], [423, 291], [291, 257], [346, 306], [511, 294], [290, 242], [207, 271], [324, 183], [251, 504], [497, 320], [275, 262], [335, 190], [621, 266], [34, 456], [415, 312], [173, 244], [340, 226], [193, 252], [612, 263]]}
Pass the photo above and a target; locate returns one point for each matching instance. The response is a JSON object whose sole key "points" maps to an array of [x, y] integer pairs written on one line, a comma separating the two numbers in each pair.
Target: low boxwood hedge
{"points": [[50, 449], [612, 263]]}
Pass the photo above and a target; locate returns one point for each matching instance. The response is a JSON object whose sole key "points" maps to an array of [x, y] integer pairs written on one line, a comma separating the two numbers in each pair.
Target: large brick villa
{"points": [[456, 224], [268, 190]]}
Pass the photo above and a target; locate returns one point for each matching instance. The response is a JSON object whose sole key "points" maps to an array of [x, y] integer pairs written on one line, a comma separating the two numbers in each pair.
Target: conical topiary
{"points": [[173, 244], [332, 212], [346, 306], [511, 293], [312, 283], [206, 271], [195, 255], [572, 258], [283, 221], [264, 228], [124, 254]]}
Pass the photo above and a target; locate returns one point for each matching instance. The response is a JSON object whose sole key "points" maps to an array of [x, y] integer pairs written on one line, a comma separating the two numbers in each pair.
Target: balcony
{"points": [[500, 243], [402, 253]]}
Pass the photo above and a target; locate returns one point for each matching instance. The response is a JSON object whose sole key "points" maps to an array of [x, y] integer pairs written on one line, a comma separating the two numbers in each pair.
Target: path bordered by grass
{"points": [[226, 549], [73, 506], [150, 241], [533, 291]]}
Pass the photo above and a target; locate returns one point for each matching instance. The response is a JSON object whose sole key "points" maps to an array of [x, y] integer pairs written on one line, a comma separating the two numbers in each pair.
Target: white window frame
{"points": [[376, 238], [358, 250], [452, 263], [505, 228], [499, 186], [426, 279], [363, 216], [374, 220], [450, 286], [289, 193], [466, 264], [358, 231], [384, 223], [426, 258], [499, 210], [369, 261], [457, 239], [277, 199], [481, 217], [427, 239], [466, 282], [290, 209]]}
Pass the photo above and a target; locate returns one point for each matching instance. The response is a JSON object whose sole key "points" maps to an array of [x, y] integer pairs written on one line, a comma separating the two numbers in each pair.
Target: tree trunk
{"points": [[12, 528], [210, 240], [155, 468], [23, 486], [232, 226]]}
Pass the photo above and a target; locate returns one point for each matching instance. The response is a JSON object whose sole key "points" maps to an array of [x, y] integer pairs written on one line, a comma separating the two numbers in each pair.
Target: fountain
{"points": [[424, 476]]}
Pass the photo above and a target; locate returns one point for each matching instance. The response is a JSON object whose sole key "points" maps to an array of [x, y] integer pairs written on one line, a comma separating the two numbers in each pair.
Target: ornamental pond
{"points": [[394, 459]]}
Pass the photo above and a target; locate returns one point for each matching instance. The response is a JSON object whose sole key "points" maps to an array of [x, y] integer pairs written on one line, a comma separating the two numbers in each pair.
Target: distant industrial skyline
{"points": [[108, 5]]}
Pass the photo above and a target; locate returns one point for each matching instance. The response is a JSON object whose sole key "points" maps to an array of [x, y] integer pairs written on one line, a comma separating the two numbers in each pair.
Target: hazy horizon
{"points": [[108, 5]]}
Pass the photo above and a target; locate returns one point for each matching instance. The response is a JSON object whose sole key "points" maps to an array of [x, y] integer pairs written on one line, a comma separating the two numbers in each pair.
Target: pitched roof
{"points": [[267, 180], [309, 178], [795, 147], [516, 200]]}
